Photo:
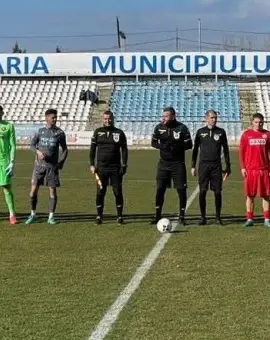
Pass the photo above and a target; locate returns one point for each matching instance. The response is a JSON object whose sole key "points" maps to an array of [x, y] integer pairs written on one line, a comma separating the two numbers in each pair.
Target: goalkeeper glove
{"points": [[9, 169]]}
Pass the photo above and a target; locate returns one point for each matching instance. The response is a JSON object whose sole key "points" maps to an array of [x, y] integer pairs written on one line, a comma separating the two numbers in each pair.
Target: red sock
{"points": [[250, 215], [266, 215]]}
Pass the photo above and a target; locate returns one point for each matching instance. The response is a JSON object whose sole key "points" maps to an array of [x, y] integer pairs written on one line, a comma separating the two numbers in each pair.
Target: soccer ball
{"points": [[164, 225]]}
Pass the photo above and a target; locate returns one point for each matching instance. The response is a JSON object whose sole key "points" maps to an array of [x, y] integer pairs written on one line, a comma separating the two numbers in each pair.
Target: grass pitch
{"points": [[57, 282]]}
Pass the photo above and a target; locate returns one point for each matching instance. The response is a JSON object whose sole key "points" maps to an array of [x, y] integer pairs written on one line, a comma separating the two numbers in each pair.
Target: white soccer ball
{"points": [[164, 225]]}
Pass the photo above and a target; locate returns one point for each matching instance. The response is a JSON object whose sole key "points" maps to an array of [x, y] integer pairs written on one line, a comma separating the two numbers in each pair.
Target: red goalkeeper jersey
{"points": [[254, 150]]}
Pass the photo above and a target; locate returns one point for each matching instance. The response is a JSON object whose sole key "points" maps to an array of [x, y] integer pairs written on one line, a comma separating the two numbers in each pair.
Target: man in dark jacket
{"points": [[108, 160], [172, 138], [210, 139]]}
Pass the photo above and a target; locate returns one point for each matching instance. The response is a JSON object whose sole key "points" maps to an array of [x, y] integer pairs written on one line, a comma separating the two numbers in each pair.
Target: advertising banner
{"points": [[128, 64]]}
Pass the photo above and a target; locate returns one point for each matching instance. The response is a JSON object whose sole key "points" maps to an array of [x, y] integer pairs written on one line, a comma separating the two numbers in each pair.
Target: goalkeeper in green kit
{"points": [[7, 158]]}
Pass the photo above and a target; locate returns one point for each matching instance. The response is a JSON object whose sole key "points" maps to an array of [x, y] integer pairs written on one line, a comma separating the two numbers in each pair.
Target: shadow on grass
{"points": [[129, 218]]}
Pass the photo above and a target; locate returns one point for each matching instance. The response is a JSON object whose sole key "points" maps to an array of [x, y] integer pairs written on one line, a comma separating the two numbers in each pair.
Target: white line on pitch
{"points": [[115, 309]]}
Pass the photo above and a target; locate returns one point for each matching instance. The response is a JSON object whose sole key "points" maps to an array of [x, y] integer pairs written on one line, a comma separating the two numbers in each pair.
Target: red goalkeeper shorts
{"points": [[257, 183]]}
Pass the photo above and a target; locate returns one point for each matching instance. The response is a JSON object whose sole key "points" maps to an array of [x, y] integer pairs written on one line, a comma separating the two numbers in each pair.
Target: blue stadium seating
{"points": [[144, 101]]}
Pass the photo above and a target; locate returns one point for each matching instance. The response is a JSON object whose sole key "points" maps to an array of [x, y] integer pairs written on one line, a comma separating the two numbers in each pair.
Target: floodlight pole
{"points": [[199, 35]]}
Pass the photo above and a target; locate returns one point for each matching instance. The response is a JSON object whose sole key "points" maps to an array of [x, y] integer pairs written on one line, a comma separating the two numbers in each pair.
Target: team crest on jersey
{"points": [[216, 137], [204, 134], [3, 128], [101, 133], [264, 136], [116, 137], [176, 135]]}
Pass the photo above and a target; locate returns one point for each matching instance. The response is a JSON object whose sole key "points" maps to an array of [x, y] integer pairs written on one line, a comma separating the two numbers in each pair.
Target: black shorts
{"points": [[168, 171], [110, 176], [210, 174], [45, 176]]}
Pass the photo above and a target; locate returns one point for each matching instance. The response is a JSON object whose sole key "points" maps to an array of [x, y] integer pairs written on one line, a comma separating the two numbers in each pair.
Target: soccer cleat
{"points": [[248, 223], [154, 221], [13, 220], [98, 220], [202, 221], [120, 220], [31, 219], [182, 221], [219, 221], [51, 220], [267, 224]]}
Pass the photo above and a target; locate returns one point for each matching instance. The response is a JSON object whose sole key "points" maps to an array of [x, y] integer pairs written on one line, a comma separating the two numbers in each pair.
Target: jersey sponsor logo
{"points": [[257, 141], [48, 141], [176, 135], [116, 137]]}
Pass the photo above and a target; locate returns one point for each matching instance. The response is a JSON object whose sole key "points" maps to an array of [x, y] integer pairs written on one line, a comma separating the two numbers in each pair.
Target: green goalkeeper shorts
{"points": [[4, 179]]}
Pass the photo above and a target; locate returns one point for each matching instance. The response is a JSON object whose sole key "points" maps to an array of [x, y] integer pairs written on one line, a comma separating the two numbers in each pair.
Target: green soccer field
{"points": [[209, 282]]}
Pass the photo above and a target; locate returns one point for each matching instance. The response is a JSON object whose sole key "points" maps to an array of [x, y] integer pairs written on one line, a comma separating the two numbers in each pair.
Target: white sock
{"points": [[267, 220], [51, 215], [33, 213]]}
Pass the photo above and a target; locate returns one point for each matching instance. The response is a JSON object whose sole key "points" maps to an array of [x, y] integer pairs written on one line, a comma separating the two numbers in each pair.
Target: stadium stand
{"points": [[26, 100], [262, 98], [138, 105]]}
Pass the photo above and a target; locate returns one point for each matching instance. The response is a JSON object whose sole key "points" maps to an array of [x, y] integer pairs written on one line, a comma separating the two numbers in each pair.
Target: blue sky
{"points": [[40, 26]]}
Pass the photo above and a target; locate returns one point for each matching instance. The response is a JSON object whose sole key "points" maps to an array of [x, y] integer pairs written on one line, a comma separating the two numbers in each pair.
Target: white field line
{"points": [[112, 314]]}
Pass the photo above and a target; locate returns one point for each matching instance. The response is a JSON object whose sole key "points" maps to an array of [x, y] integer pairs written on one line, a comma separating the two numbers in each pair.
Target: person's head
{"points": [[168, 115], [51, 117], [257, 121], [1, 112], [108, 118], [211, 118]]}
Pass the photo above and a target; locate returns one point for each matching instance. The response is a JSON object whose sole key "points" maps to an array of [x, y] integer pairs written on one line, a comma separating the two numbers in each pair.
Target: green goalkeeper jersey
{"points": [[7, 142]]}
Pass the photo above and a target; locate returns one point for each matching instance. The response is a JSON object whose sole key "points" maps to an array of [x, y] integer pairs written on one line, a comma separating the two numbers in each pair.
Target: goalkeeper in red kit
{"points": [[254, 155]]}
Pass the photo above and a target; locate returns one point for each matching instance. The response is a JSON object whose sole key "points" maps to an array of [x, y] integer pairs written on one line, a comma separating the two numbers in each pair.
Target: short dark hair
{"points": [[169, 109], [208, 112], [50, 112], [257, 115], [108, 112]]}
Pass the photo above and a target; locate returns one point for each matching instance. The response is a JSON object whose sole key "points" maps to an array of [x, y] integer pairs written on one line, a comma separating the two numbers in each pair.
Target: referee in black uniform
{"points": [[108, 159], [172, 138], [210, 140]]}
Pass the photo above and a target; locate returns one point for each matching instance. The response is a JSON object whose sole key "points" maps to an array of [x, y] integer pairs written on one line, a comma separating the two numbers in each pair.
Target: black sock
{"points": [[218, 204], [33, 202], [159, 201], [182, 194], [202, 201], [100, 201], [52, 203], [119, 200]]}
